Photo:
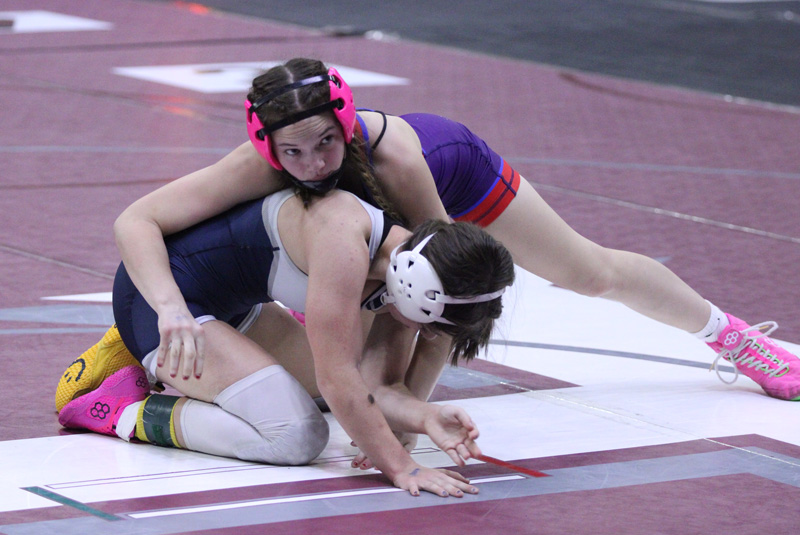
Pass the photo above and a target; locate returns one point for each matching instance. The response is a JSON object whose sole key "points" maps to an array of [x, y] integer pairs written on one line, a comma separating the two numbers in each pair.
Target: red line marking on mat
{"points": [[510, 466]]}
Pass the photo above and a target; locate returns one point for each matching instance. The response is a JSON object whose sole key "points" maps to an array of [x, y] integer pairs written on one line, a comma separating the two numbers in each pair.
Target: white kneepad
{"points": [[285, 426]]}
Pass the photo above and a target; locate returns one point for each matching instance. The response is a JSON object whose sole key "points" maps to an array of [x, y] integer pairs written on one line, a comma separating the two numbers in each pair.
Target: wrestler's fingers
{"points": [[188, 357], [455, 456], [455, 475], [161, 356], [456, 487], [174, 350], [469, 450], [200, 360]]}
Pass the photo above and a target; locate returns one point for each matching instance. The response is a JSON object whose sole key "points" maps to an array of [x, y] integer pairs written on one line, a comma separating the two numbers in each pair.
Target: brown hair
{"points": [[469, 262], [357, 176]]}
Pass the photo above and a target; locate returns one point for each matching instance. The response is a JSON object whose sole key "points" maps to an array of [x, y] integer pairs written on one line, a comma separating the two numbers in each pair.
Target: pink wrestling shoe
{"points": [[753, 353], [99, 410]]}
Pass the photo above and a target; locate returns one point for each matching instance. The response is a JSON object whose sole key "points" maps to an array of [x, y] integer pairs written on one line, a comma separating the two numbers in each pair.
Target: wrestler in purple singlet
{"points": [[474, 183]]}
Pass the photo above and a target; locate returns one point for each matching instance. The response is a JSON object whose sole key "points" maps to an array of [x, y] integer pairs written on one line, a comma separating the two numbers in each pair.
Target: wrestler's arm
{"points": [[429, 359], [140, 229], [404, 175], [395, 357], [402, 388], [338, 263]]}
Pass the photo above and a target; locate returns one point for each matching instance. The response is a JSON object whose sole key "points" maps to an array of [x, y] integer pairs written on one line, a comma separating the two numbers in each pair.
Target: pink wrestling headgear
{"points": [[341, 103], [413, 286]]}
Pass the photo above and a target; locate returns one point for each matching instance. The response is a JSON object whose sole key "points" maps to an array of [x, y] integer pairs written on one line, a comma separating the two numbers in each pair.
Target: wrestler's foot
{"points": [[753, 353], [89, 370], [99, 410]]}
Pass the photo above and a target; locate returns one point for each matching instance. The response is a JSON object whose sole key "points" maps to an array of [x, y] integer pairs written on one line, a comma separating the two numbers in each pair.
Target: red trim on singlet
{"points": [[498, 198]]}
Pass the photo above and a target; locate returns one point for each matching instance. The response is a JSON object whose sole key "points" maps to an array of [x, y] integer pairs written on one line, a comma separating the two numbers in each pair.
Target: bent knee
{"points": [[293, 443], [304, 440]]}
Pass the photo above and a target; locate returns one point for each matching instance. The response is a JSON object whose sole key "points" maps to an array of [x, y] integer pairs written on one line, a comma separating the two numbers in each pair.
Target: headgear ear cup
{"points": [[346, 112], [415, 289], [341, 101], [261, 142]]}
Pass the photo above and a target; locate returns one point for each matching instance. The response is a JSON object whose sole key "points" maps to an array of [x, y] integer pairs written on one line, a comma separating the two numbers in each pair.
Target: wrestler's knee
{"points": [[290, 428], [596, 276], [595, 284], [293, 443]]}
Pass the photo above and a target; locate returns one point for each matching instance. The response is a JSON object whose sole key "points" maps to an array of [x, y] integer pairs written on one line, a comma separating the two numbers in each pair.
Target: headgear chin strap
{"points": [[413, 286], [319, 187], [341, 103]]}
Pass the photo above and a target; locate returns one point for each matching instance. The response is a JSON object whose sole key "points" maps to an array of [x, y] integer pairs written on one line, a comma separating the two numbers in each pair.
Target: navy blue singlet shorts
{"points": [[222, 269]]}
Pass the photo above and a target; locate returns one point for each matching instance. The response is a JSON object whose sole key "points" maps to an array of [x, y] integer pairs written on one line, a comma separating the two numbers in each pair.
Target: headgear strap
{"points": [[341, 102], [291, 87]]}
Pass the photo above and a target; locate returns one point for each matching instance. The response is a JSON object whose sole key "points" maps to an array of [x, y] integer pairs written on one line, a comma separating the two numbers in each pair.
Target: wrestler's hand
{"points": [[454, 432], [181, 348], [449, 427], [408, 440], [436, 481]]}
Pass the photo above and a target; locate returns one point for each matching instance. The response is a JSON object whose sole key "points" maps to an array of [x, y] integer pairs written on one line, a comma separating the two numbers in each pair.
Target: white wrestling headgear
{"points": [[413, 286]]}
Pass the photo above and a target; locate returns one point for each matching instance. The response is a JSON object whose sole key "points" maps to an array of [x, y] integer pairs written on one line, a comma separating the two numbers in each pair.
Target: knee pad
{"points": [[284, 425]]}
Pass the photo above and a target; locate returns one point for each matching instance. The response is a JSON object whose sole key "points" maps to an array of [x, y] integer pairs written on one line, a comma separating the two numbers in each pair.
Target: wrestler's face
{"points": [[310, 149], [424, 329]]}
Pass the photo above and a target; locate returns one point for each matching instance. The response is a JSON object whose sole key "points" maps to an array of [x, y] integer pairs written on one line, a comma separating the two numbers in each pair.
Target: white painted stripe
{"points": [[102, 297], [47, 21], [173, 474], [237, 77], [295, 499]]}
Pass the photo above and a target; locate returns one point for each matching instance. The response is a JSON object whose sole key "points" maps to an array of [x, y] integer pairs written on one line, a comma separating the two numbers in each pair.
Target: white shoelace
{"points": [[732, 355]]}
